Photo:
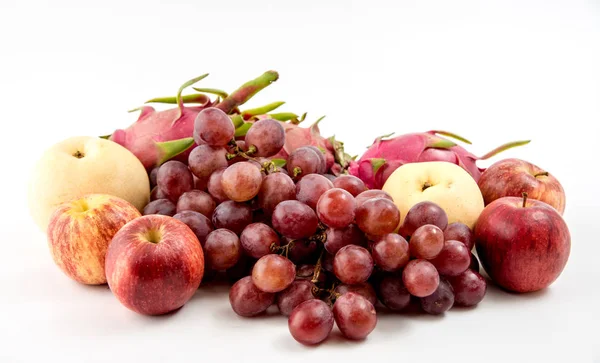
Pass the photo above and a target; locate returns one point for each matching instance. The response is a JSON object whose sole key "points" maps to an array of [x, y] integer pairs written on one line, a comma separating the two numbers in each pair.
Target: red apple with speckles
{"points": [[523, 244], [512, 177], [154, 264]]}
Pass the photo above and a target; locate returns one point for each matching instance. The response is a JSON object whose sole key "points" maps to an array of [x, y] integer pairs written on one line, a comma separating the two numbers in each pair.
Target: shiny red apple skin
{"points": [[154, 278], [523, 249], [512, 177]]}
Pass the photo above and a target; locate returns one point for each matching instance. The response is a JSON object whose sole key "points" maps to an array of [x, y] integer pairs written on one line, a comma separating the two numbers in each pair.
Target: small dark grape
{"points": [[421, 214], [198, 223], [275, 188], [232, 215], [222, 249], [298, 292], [460, 232], [257, 239], [198, 201], [469, 288], [174, 179], [160, 206], [311, 322], [440, 301], [294, 219], [247, 300], [392, 293]]}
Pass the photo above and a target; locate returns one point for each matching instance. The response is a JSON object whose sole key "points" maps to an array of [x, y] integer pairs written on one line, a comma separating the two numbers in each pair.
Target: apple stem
{"points": [[524, 199], [542, 173]]}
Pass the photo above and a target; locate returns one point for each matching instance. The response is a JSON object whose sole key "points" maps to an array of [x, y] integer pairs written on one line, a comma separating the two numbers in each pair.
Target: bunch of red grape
{"points": [[321, 247]]}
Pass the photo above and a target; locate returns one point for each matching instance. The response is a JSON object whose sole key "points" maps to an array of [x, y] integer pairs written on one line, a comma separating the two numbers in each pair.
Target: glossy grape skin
{"points": [[267, 136], [310, 188], [160, 206], [205, 159], [303, 161], [273, 273], [460, 232], [198, 201], [365, 289], [222, 249], [420, 278], [351, 184], [275, 188], [336, 238], [474, 265], [294, 219], [247, 300], [336, 208], [311, 322], [469, 288], [174, 179], [392, 293], [303, 251], [214, 186], [257, 238], [391, 252], [232, 215], [152, 176], [453, 260], [156, 193], [423, 213], [241, 181], [440, 301], [214, 126], [198, 223], [371, 194], [377, 216], [427, 242], [298, 292], [353, 264], [354, 315]]}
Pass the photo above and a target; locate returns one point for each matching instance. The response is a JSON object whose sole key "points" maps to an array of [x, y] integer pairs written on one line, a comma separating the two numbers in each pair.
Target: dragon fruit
{"points": [[158, 136], [386, 155]]}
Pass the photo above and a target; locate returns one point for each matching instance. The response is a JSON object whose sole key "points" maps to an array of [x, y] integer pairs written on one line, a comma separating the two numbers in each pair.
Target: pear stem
{"points": [[524, 199]]}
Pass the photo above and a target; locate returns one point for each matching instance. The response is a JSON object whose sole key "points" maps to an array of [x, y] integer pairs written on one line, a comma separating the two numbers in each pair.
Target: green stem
{"points": [[178, 98], [261, 110], [504, 147], [450, 134], [195, 98], [247, 91], [213, 91]]}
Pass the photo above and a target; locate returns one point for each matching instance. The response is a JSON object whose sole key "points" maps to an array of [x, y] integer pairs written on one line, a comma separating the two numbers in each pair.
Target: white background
{"points": [[492, 71]]}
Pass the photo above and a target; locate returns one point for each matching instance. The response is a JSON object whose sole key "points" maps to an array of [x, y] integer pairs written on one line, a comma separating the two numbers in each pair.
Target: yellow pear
{"points": [[446, 184], [85, 165]]}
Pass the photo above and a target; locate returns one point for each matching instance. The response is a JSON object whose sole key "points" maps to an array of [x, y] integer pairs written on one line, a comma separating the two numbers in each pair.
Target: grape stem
{"points": [[297, 171], [317, 271], [282, 250]]}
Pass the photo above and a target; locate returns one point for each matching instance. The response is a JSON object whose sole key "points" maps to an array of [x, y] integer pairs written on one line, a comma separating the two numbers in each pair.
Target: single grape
{"points": [[267, 136], [323, 165], [275, 188], [200, 184], [336, 208], [311, 322], [257, 239], [214, 186], [353, 264], [160, 206], [156, 193], [392, 293], [331, 177], [420, 278], [365, 289], [390, 252], [247, 300], [303, 161], [371, 194], [469, 288], [174, 179], [298, 292], [354, 315], [152, 176], [336, 238], [294, 219], [474, 265], [241, 181], [377, 216], [198, 201], [351, 184], [310, 188], [222, 249], [205, 159], [198, 223], [421, 214], [273, 273], [306, 272], [232, 215], [303, 251], [427, 242], [460, 232], [440, 301], [214, 126], [453, 260]]}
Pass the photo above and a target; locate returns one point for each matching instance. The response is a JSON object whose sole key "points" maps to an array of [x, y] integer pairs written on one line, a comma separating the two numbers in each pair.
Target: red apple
{"points": [[154, 264], [79, 232], [512, 177], [523, 244]]}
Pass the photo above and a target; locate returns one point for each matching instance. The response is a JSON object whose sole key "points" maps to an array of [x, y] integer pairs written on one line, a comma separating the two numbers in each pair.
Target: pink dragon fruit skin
{"points": [[386, 155]]}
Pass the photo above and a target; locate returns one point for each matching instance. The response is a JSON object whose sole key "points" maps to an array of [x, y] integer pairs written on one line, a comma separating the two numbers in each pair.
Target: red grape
{"points": [[156, 193], [215, 188], [198, 223], [303, 251], [205, 159], [241, 181], [310, 188], [440, 301], [336, 208], [298, 292], [303, 161], [390, 253], [198, 201], [311, 322], [323, 165], [257, 239], [371, 194], [232, 215], [377, 216], [214, 126], [351, 184], [267, 136], [427, 242], [275, 188], [174, 179], [273, 273], [153, 176], [453, 260], [354, 315], [337, 238], [160, 206], [469, 288], [460, 232], [393, 293], [247, 300], [421, 214], [353, 264], [294, 219], [222, 249], [420, 278], [365, 289]]}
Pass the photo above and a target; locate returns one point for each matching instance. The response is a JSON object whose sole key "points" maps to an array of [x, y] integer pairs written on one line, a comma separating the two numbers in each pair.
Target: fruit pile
{"points": [[291, 220]]}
